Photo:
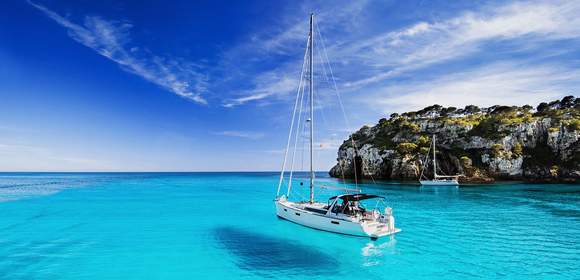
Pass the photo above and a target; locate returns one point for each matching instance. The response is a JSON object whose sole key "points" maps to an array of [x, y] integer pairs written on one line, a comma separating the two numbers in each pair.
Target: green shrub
{"points": [[518, 149], [406, 148], [496, 150], [553, 129], [423, 141], [554, 170], [573, 124], [465, 161], [471, 120], [410, 126]]}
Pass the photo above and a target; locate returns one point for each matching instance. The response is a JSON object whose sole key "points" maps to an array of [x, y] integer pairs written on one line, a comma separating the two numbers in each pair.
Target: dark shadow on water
{"points": [[260, 252]]}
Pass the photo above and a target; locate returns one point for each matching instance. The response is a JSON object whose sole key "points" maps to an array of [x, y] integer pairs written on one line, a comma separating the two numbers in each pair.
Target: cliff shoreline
{"points": [[504, 143]]}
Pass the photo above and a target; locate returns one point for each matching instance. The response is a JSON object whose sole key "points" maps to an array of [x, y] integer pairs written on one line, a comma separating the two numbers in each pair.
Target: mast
{"points": [[434, 160], [311, 108]]}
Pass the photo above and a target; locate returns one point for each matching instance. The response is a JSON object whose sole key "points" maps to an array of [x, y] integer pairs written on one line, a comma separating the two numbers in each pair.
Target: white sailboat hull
{"points": [[439, 182], [289, 211]]}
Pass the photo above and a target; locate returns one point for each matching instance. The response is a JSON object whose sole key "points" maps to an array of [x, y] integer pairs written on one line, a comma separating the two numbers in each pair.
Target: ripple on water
{"points": [[22, 259], [16, 186], [256, 251]]}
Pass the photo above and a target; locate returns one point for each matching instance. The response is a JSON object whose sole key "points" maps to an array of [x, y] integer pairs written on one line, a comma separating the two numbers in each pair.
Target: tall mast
{"points": [[434, 160], [311, 108]]}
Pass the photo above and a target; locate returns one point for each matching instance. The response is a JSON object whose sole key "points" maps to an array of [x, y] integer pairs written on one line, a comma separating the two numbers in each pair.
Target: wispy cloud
{"points": [[424, 44], [517, 35], [286, 38], [112, 40], [267, 85], [241, 134], [503, 83], [283, 43]]}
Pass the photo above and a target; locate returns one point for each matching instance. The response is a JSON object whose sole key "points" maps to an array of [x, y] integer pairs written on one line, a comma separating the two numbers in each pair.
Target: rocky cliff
{"points": [[483, 144]]}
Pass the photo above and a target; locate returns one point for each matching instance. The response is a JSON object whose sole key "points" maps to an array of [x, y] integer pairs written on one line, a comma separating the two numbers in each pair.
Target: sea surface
{"points": [[223, 226]]}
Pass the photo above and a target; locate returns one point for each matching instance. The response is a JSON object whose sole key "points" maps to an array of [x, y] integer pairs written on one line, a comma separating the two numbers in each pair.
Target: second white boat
{"points": [[438, 180]]}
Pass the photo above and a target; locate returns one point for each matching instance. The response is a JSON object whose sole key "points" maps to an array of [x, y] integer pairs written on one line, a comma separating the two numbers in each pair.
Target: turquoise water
{"points": [[222, 226]]}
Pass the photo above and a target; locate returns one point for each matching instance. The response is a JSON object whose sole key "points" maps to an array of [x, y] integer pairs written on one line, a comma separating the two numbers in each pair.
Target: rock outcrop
{"points": [[482, 144]]}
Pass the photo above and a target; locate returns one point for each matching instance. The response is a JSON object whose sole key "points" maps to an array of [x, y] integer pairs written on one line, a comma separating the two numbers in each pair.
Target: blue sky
{"points": [[209, 85]]}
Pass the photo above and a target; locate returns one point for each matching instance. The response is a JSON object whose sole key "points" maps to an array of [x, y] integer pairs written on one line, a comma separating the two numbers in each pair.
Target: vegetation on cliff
{"points": [[499, 142]]}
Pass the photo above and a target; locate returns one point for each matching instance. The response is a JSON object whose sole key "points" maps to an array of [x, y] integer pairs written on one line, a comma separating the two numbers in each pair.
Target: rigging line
{"points": [[438, 166], [292, 122], [299, 194], [303, 146], [441, 170], [425, 162], [317, 101], [296, 137], [340, 103], [295, 144], [341, 167], [363, 165], [304, 132]]}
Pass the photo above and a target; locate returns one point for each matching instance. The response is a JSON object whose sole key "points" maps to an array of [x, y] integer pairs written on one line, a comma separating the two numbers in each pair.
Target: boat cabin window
{"points": [[316, 210]]}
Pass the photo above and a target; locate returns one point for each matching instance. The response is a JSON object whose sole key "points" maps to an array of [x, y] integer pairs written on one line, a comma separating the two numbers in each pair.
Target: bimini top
{"points": [[356, 197]]}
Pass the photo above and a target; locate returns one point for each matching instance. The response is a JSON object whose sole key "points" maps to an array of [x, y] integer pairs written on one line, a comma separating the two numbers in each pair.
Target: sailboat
{"points": [[438, 180], [345, 213]]}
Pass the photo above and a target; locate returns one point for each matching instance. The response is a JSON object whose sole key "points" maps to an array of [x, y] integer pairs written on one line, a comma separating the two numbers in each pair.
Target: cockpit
{"points": [[352, 205]]}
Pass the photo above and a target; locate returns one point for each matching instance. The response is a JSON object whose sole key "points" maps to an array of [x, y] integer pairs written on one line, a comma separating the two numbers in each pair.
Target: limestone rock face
{"points": [[483, 144]]}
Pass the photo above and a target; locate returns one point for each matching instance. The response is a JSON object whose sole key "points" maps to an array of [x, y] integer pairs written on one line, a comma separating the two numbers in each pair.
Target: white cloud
{"points": [[111, 39], [503, 84], [282, 42], [376, 59], [425, 44], [365, 59], [267, 85], [241, 134]]}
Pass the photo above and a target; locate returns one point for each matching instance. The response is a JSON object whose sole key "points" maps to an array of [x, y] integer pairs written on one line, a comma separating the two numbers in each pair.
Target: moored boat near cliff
{"points": [[539, 144]]}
